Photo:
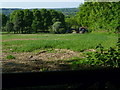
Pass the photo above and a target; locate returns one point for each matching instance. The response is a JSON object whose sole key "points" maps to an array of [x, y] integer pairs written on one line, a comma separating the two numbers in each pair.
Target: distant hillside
{"points": [[68, 11], [7, 11], [65, 11]]}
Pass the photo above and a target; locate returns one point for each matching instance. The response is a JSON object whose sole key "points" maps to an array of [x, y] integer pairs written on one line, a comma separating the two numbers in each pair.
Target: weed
{"points": [[44, 69], [10, 57]]}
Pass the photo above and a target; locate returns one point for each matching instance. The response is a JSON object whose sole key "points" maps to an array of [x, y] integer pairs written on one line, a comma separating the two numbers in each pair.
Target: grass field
{"points": [[44, 52], [75, 42]]}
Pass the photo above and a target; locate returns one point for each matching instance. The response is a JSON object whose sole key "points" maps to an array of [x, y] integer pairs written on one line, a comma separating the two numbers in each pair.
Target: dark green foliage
{"points": [[102, 57], [99, 15], [0, 21], [4, 19], [17, 19], [110, 57], [10, 57], [26, 21], [54, 16], [9, 26], [46, 18], [37, 20], [57, 17], [28, 18], [12, 16]]}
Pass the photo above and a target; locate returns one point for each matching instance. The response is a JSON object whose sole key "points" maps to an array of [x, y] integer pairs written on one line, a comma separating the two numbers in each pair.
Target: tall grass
{"points": [[76, 42]]}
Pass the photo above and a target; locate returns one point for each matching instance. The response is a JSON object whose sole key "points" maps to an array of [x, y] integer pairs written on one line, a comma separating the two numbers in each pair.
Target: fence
{"points": [[85, 78]]}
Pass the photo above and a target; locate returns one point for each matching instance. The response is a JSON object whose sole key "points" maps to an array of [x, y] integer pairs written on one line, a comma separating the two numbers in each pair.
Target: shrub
{"points": [[10, 57], [104, 57], [101, 57]]}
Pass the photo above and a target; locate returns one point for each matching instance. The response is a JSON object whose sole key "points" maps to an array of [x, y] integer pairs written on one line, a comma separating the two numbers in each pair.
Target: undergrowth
{"points": [[102, 57]]}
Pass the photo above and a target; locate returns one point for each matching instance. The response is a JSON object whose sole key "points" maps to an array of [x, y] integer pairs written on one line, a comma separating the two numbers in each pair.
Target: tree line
{"points": [[97, 16], [27, 21]]}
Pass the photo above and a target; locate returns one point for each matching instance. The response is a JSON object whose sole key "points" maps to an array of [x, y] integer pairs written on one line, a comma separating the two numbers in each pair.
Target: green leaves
{"points": [[10, 57], [37, 20], [9, 26], [4, 19], [26, 21], [99, 15], [104, 57]]}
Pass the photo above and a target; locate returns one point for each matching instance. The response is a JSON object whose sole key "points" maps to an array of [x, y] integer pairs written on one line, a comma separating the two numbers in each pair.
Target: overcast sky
{"points": [[40, 3]]}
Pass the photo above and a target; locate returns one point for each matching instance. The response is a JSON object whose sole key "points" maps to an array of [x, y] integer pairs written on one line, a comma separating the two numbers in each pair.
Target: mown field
{"points": [[39, 52], [75, 42]]}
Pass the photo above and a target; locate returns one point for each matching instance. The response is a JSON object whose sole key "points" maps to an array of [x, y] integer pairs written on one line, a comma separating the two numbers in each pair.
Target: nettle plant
{"points": [[102, 57]]}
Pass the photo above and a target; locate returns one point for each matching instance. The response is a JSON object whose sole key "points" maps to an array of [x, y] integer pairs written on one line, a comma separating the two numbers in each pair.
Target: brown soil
{"points": [[40, 61]]}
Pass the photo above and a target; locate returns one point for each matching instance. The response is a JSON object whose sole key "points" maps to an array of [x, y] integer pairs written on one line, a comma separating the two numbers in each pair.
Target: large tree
{"points": [[17, 19], [99, 15], [28, 18], [54, 16], [9, 26], [3, 20], [37, 20], [57, 17], [46, 17]]}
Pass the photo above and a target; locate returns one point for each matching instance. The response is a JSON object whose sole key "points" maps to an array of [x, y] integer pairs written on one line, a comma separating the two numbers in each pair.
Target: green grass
{"points": [[76, 42]]}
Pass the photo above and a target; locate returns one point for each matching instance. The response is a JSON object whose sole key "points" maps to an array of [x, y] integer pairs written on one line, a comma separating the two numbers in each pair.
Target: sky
{"points": [[40, 3]]}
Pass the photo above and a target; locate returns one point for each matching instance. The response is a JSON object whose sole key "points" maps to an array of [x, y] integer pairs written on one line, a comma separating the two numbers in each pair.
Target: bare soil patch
{"points": [[40, 61]]}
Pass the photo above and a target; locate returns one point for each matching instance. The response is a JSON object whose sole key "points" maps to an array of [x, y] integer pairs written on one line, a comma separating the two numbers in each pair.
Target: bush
{"points": [[101, 57], [104, 57], [10, 57]]}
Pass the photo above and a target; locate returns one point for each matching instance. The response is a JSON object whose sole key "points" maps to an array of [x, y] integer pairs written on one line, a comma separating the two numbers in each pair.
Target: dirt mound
{"points": [[40, 61]]}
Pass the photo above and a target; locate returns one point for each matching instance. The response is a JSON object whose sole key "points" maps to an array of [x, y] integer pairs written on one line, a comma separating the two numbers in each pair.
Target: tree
{"points": [[54, 16], [17, 19], [58, 28], [12, 16], [46, 17], [71, 23], [99, 15], [4, 19], [37, 20], [0, 21], [61, 17], [28, 18], [9, 26]]}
